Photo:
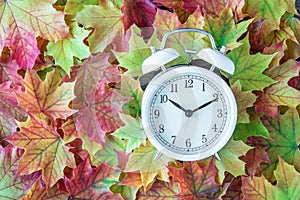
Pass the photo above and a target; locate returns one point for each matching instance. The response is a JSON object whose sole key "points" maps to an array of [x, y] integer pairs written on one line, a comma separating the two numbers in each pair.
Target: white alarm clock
{"points": [[188, 112]]}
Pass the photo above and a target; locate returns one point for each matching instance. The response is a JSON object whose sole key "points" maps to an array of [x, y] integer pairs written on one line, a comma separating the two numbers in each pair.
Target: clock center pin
{"points": [[189, 113]]}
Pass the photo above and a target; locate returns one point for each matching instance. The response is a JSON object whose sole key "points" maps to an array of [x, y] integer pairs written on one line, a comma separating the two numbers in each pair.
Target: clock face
{"points": [[188, 113]]}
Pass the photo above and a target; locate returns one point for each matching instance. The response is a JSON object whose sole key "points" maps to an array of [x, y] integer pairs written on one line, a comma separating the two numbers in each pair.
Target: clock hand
{"points": [[204, 105], [177, 105]]}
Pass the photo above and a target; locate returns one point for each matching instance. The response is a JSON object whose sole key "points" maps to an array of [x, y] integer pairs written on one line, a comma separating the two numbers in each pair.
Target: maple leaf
{"points": [[230, 161], [132, 179], [287, 181], [187, 5], [160, 190], [23, 21], [142, 160], [9, 111], [195, 182], [133, 132], [279, 93], [141, 13], [257, 188], [70, 134], [249, 68], [8, 72], [254, 158], [215, 8], [265, 10], [131, 88], [182, 8], [63, 51], [92, 183], [7, 127], [245, 99], [244, 130], [106, 22], [127, 192], [101, 115], [283, 141], [47, 97], [38, 191], [281, 34], [286, 187], [225, 31], [11, 185], [96, 68], [43, 150], [74, 6], [233, 191], [133, 60]]}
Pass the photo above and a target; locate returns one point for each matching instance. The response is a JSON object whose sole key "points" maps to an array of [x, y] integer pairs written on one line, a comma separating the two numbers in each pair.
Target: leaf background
{"points": [[70, 99]]}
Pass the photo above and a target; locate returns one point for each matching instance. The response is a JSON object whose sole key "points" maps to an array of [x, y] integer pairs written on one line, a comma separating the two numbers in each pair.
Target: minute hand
{"points": [[204, 105]]}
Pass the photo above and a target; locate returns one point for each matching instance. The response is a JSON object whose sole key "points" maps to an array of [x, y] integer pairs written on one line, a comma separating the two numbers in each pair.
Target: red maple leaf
{"points": [[101, 115], [92, 183], [22, 21], [142, 13], [195, 182]]}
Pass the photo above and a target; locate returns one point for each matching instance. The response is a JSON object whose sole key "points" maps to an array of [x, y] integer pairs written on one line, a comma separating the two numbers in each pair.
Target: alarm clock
{"points": [[188, 112]]}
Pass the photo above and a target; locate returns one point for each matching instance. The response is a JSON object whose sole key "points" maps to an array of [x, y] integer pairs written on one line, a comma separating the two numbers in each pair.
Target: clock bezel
{"points": [[218, 81]]}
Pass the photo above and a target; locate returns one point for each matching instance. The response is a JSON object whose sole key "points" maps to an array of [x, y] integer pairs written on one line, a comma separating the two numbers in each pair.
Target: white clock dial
{"points": [[188, 113]]}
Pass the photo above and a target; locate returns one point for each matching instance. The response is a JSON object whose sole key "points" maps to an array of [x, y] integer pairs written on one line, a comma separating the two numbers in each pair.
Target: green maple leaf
{"points": [[287, 181], [133, 60], [127, 192], [249, 68], [142, 160], [63, 51], [230, 161], [105, 19], [270, 11], [224, 29], [131, 88], [74, 6], [132, 131], [137, 42], [287, 186], [244, 130], [284, 140]]}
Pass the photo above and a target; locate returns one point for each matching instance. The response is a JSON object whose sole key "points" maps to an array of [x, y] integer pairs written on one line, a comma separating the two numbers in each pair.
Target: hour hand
{"points": [[177, 105]]}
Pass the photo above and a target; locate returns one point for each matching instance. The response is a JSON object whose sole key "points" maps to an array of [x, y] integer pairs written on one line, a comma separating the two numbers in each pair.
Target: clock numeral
{"points": [[156, 114], [173, 137], [161, 128], [216, 96], [215, 128], [220, 113], [163, 99], [203, 87], [189, 83], [204, 139], [174, 88], [188, 142]]}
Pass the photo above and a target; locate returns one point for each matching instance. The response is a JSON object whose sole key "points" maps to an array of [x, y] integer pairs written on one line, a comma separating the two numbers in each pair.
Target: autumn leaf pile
{"points": [[70, 99]]}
